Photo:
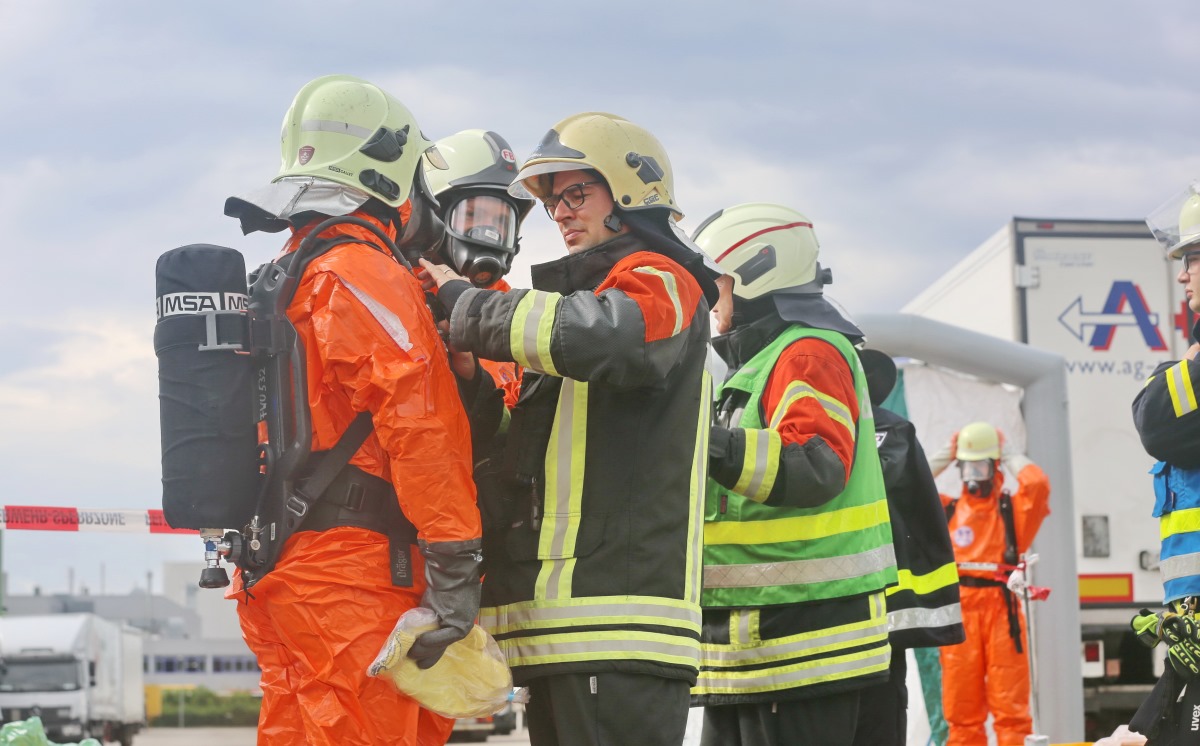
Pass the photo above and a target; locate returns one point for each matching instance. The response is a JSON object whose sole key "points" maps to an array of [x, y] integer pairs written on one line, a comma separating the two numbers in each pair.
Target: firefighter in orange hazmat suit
{"points": [[990, 528], [318, 619]]}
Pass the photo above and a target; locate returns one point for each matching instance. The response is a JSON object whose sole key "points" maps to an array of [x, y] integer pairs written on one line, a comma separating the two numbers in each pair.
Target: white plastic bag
{"points": [[470, 680]]}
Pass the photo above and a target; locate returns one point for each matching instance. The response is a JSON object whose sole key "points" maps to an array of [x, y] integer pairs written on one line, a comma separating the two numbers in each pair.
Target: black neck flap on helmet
{"points": [[654, 228]]}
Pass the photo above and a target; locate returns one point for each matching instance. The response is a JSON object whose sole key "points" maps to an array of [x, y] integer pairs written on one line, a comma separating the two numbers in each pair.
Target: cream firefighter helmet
{"points": [[630, 159], [352, 132], [482, 219], [1176, 223], [765, 248], [978, 441]]}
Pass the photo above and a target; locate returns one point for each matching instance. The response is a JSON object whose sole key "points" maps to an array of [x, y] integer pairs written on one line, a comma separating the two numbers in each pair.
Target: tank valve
{"points": [[213, 575]]}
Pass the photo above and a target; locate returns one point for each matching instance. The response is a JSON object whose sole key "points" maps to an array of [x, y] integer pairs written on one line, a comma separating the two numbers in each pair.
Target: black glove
{"points": [[1183, 644], [452, 571]]}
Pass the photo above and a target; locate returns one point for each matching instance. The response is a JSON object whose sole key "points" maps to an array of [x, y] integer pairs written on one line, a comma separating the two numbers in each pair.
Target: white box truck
{"points": [[1101, 294], [80, 673]]}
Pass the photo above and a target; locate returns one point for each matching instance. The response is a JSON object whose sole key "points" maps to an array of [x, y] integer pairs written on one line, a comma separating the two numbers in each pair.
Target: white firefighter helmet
{"points": [[764, 247]]}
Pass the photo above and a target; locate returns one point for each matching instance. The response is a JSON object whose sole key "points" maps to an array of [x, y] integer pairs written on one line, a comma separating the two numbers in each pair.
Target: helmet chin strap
{"points": [[613, 223]]}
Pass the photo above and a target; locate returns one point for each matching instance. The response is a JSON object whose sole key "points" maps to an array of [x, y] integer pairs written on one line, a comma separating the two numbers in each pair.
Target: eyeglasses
{"points": [[573, 196], [1191, 262]]}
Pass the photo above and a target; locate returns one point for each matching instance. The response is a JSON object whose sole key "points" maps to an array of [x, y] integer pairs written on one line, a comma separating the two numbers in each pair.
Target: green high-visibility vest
{"points": [[757, 555]]}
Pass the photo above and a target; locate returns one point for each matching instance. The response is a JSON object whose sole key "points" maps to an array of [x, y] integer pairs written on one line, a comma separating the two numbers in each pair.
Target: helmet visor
{"points": [[1168, 226], [976, 471], [486, 219]]}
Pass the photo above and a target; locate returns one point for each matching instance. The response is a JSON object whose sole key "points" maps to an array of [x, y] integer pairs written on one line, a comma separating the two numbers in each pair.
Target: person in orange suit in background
{"points": [[991, 528]]}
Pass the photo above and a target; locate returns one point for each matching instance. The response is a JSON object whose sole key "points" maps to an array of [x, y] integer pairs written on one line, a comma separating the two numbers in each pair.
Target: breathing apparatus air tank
{"points": [[210, 462]]}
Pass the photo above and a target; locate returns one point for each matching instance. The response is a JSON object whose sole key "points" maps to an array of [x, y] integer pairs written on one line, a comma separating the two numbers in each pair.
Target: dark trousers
{"points": [[821, 721], [607, 709], [883, 718]]}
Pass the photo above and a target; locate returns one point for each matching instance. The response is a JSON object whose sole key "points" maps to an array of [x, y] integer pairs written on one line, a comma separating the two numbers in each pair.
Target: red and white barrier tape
{"points": [[41, 518]]}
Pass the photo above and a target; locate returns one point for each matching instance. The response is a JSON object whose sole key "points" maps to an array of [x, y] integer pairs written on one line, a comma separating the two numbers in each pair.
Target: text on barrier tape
{"points": [[42, 518]]}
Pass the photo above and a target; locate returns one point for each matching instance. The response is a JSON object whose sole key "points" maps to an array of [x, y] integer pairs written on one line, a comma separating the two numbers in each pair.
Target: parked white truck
{"points": [[80, 673], [1101, 294]]}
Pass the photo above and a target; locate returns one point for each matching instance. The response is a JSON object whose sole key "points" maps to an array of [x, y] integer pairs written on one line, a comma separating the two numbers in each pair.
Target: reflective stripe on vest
{"points": [[1179, 386], [563, 502], [695, 538], [531, 329], [535, 633], [751, 665], [923, 585], [756, 555], [921, 618]]}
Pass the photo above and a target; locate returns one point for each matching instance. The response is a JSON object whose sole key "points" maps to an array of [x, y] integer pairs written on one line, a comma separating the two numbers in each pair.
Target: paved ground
{"points": [[244, 737]]}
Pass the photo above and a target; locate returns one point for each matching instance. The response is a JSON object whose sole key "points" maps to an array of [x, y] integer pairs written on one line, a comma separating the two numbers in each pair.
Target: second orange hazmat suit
{"points": [[986, 672]]}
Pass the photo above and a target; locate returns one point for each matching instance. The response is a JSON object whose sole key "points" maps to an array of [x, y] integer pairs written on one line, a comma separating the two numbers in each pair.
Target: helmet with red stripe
{"points": [[765, 248]]}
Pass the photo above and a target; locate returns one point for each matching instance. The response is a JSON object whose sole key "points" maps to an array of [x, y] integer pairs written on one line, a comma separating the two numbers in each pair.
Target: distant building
{"points": [[192, 637]]}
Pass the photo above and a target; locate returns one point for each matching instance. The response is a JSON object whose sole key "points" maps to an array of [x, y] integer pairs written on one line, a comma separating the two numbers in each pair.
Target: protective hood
{"points": [[812, 309], [271, 208], [658, 230]]}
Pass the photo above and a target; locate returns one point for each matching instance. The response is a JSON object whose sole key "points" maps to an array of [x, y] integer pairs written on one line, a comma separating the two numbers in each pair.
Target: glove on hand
{"points": [[1183, 644], [1145, 626], [1017, 582], [452, 571]]}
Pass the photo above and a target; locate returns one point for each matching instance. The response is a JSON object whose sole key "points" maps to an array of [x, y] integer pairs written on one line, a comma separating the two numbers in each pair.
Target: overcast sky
{"points": [[908, 132]]}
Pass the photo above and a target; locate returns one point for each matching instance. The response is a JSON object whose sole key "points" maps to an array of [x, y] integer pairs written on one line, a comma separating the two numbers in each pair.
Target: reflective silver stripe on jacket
{"points": [[599, 610], [815, 672], [921, 618], [389, 321], [1180, 566], [850, 635], [329, 125], [613, 644], [800, 571]]}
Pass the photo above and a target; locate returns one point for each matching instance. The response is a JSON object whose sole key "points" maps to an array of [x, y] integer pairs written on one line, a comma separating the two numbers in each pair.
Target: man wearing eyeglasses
{"points": [[594, 597], [1166, 417]]}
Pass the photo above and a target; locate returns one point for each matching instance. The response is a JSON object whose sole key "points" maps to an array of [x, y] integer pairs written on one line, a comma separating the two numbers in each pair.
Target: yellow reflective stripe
{"points": [[797, 390], [715, 655], [591, 611], [744, 626], [804, 673], [531, 330], [672, 292], [1179, 522], [928, 583], [797, 528], [599, 645], [563, 492], [693, 577], [760, 464], [1179, 384]]}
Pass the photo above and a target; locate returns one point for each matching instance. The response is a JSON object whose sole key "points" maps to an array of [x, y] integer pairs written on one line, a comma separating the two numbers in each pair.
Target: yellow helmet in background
{"points": [[630, 159], [764, 247], [978, 441], [352, 132]]}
